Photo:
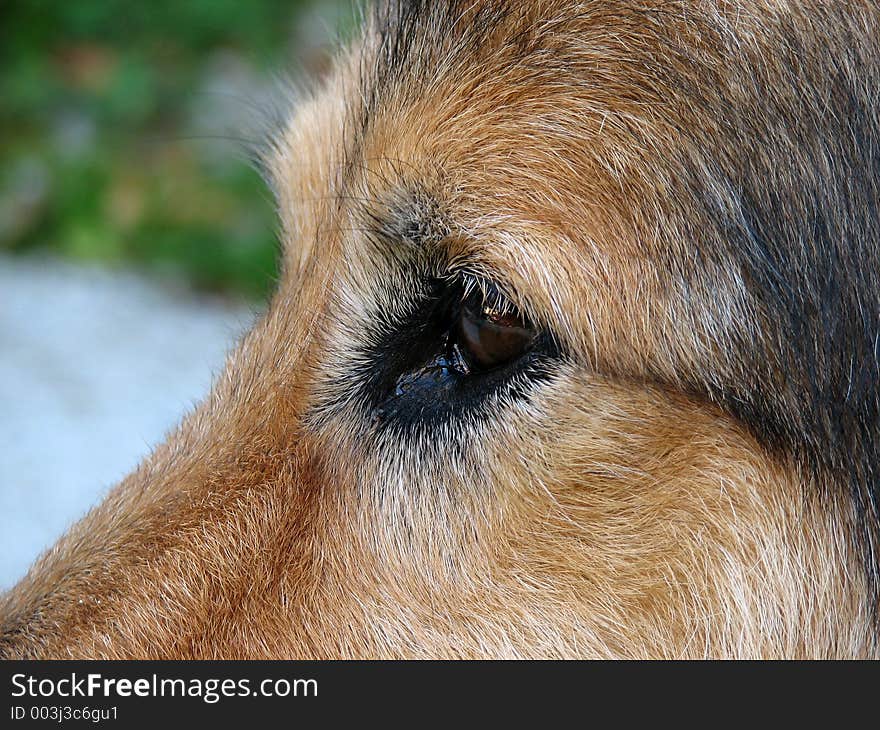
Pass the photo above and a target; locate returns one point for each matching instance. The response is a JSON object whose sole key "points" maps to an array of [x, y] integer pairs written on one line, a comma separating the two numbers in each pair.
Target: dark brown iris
{"points": [[489, 337]]}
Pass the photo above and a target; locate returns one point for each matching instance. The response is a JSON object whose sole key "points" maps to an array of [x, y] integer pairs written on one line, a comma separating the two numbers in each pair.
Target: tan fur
{"points": [[616, 513]]}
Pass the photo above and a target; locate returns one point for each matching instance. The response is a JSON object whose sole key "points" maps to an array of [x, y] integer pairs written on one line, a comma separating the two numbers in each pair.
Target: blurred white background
{"points": [[123, 148], [95, 367]]}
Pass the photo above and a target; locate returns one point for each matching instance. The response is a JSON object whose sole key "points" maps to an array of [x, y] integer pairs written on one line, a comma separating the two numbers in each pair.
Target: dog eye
{"points": [[489, 333]]}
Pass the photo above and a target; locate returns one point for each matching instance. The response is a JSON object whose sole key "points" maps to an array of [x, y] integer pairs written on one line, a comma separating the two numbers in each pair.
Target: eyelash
{"points": [[492, 297]]}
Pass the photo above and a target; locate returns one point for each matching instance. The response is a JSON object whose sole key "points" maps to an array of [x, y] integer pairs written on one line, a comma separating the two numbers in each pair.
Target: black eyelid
{"points": [[419, 371]]}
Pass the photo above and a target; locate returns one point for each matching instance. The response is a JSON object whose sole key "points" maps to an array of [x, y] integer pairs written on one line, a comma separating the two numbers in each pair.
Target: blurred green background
{"points": [[119, 122]]}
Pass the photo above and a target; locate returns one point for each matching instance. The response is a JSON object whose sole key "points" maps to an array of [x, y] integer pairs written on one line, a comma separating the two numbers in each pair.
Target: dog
{"points": [[574, 354]]}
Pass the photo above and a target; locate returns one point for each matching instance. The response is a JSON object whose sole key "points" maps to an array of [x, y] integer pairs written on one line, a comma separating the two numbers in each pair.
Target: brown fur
{"points": [[638, 503]]}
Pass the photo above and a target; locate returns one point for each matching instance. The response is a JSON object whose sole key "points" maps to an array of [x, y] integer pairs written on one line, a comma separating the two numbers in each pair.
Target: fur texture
{"points": [[683, 195]]}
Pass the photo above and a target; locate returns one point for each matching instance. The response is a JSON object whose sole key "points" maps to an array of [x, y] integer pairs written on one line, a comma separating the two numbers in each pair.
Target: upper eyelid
{"points": [[492, 294], [475, 273]]}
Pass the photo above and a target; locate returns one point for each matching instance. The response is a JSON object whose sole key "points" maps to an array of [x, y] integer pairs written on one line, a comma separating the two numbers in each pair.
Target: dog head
{"points": [[574, 353]]}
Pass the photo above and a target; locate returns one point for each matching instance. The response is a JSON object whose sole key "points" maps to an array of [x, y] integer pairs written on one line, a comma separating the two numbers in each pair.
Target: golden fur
{"points": [[625, 507]]}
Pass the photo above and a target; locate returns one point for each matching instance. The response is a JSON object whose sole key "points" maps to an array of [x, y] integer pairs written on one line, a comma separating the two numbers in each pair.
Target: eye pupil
{"points": [[490, 336]]}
